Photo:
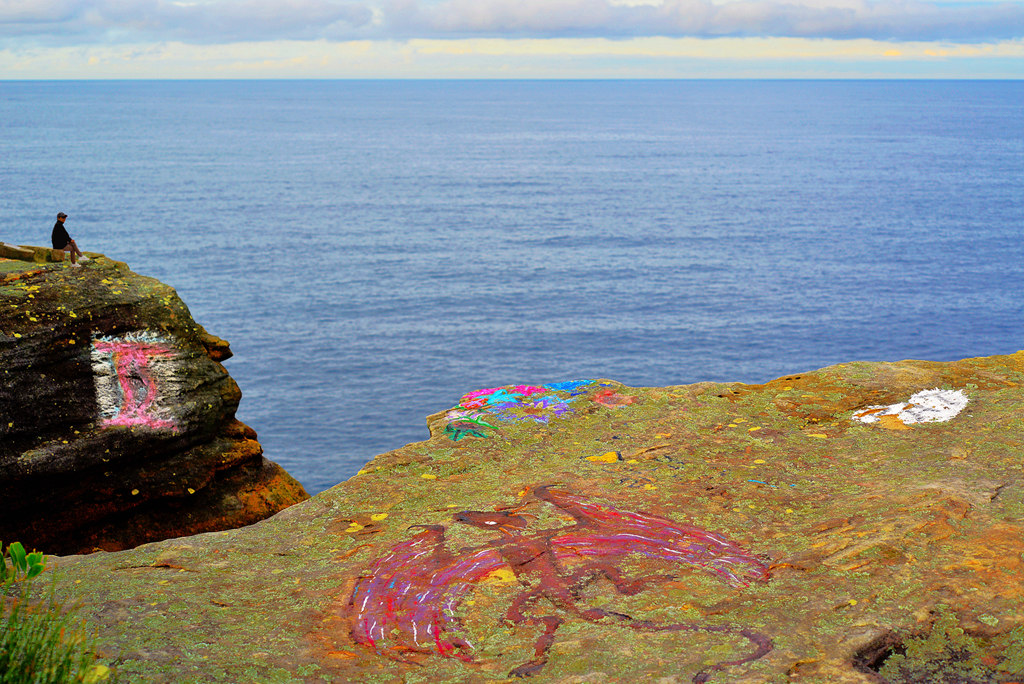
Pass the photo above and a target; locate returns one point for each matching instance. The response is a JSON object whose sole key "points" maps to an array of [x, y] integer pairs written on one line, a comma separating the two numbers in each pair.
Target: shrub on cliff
{"points": [[40, 641]]}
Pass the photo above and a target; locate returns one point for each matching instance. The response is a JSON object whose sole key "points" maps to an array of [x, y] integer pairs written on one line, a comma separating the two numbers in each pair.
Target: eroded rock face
{"points": [[591, 532], [116, 422]]}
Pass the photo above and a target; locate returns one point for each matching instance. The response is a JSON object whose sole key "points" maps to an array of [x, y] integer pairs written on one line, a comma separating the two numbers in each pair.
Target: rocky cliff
{"points": [[117, 419], [860, 523]]}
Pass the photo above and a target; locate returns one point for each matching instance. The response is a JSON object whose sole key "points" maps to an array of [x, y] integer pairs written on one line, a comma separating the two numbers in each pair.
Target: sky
{"points": [[102, 39]]}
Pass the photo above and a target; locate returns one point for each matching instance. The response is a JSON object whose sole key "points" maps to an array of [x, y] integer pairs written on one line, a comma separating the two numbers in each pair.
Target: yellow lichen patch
{"points": [[428, 476], [354, 527], [500, 576], [607, 457], [377, 517]]}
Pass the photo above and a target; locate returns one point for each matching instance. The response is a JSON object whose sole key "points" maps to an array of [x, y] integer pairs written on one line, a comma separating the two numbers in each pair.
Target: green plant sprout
{"points": [[23, 566]]}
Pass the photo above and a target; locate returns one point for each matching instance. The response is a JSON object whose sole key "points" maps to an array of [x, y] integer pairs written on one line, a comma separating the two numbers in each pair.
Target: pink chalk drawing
{"points": [[406, 606], [128, 374]]}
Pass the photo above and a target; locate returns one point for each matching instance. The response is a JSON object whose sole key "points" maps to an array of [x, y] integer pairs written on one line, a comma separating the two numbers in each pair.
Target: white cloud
{"points": [[225, 21], [207, 21], [877, 19]]}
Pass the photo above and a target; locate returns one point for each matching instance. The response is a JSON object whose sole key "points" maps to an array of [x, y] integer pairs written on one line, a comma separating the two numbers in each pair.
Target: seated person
{"points": [[61, 240]]}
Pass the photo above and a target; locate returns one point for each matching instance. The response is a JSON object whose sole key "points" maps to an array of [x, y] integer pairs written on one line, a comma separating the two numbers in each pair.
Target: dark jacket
{"points": [[60, 236]]}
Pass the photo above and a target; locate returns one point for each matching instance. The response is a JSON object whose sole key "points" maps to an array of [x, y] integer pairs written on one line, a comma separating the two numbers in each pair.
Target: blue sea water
{"points": [[375, 249]]}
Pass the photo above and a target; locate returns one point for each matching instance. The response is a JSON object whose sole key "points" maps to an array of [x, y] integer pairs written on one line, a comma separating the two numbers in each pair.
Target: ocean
{"points": [[375, 249]]}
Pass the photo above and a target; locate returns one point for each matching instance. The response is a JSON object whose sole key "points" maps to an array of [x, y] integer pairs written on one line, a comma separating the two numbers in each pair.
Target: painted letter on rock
{"points": [[134, 375]]}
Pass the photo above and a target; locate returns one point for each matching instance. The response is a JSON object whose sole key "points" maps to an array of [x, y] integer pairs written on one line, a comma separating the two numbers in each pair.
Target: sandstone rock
{"points": [[116, 424], [591, 532], [15, 252]]}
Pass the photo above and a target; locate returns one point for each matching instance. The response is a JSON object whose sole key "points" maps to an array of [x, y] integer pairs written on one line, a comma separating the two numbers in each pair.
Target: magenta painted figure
{"points": [[405, 606]]}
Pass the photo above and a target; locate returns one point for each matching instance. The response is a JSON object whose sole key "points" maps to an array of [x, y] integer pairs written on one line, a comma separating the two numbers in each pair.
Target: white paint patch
{"points": [[927, 406]]}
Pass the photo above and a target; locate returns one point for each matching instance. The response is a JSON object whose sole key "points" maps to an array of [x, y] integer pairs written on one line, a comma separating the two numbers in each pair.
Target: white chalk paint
{"points": [[927, 406]]}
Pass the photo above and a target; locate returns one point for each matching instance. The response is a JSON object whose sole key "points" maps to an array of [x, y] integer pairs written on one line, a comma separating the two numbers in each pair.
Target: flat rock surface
{"points": [[592, 532]]}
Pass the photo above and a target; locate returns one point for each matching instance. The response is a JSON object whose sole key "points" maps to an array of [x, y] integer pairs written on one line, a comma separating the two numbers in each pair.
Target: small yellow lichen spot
{"points": [[501, 576], [753, 429], [650, 486], [276, 571], [852, 602], [818, 435], [522, 493], [663, 435], [786, 389], [759, 460], [354, 527], [164, 582], [362, 472], [751, 506], [632, 460], [789, 510], [135, 492], [470, 602], [607, 457], [428, 476], [739, 420], [733, 425], [72, 342], [191, 491], [17, 334], [377, 517]]}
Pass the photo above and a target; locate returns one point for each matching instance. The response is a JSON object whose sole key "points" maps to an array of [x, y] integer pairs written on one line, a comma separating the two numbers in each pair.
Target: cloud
{"points": [[202, 21], [227, 21], [840, 19]]}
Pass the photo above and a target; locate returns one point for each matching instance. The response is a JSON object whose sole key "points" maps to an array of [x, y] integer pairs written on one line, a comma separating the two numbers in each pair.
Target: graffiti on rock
{"points": [[130, 372], [927, 406], [613, 399], [515, 403], [407, 604]]}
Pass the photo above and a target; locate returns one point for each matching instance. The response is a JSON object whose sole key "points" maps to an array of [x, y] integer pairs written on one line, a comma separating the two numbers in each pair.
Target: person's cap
{"points": [[62, 215]]}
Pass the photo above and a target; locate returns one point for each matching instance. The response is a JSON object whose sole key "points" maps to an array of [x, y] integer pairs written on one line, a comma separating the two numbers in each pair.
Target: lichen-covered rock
{"points": [[116, 420], [590, 532]]}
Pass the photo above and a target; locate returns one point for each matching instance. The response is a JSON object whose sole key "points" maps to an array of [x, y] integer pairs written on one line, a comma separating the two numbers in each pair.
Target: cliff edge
{"points": [[859, 524], [117, 418]]}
